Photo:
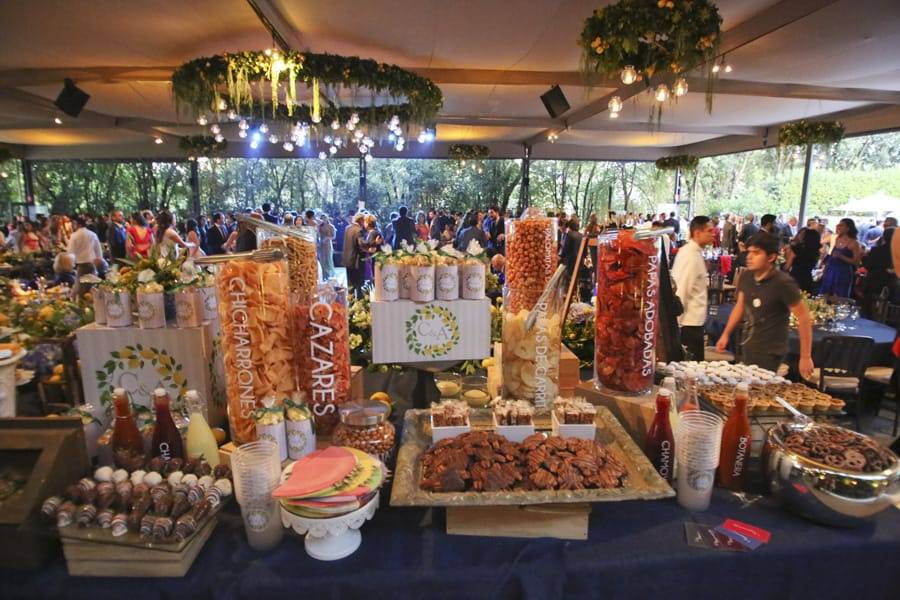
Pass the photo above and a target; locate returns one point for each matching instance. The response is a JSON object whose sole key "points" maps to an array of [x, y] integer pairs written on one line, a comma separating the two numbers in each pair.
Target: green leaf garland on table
{"points": [[202, 145], [803, 133], [685, 162]]}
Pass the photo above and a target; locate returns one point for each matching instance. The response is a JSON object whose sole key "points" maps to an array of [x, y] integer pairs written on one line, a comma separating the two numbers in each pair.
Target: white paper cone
{"points": [[118, 309], [301, 439], [99, 305], [209, 305], [387, 282], [151, 310], [472, 281], [422, 284], [447, 279], [275, 434], [406, 281], [187, 309]]}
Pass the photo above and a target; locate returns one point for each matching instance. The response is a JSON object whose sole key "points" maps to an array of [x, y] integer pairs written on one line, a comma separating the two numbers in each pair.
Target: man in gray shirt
{"points": [[767, 297]]}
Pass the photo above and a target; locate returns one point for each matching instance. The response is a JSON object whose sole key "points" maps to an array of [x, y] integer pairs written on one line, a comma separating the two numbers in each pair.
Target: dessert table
{"points": [[634, 549]]}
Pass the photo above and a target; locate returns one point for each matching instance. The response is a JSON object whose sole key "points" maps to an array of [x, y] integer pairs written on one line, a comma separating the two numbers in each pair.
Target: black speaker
{"points": [[71, 99], [555, 101]]}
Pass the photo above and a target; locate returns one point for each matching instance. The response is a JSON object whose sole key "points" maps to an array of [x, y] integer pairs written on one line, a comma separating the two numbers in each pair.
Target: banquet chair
{"points": [[841, 367], [883, 377], [891, 314]]}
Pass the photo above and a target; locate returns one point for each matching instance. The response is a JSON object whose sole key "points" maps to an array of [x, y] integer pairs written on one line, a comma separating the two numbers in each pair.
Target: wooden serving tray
{"points": [[90, 557], [643, 482]]}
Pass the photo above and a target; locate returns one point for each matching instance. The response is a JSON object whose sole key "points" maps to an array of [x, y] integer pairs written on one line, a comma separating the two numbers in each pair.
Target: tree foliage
{"points": [[760, 181]]}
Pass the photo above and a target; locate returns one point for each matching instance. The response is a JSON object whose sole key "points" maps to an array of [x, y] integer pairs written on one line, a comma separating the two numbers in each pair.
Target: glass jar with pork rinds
{"points": [[254, 307], [322, 353], [299, 244]]}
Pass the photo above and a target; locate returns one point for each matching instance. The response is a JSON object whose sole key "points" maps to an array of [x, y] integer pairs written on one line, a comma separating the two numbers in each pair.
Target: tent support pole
{"points": [[804, 191]]}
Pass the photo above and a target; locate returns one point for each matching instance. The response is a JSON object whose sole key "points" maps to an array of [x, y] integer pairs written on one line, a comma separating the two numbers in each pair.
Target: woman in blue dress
{"points": [[840, 265]]}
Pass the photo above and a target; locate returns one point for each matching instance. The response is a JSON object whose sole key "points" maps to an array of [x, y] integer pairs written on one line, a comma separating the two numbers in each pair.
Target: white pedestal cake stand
{"points": [[334, 538]]}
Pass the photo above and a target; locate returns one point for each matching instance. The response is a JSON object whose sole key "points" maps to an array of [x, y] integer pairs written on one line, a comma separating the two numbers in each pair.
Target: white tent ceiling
{"points": [[492, 59]]}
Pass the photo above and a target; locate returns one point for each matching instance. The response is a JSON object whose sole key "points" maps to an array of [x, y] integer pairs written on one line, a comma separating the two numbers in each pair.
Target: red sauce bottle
{"points": [[736, 437], [127, 442], [167, 441], [660, 444]]}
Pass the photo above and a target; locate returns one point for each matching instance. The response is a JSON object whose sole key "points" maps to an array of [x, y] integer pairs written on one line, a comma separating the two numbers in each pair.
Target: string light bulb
{"points": [[232, 114], [273, 139], [264, 128], [57, 120], [288, 146], [242, 133], [680, 87], [201, 120], [368, 158], [715, 68], [322, 155], [629, 75], [219, 138], [157, 140], [215, 129]]}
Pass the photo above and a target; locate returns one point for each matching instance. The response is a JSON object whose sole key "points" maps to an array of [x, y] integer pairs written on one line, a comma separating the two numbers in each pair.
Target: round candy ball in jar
{"points": [[365, 426], [626, 322]]}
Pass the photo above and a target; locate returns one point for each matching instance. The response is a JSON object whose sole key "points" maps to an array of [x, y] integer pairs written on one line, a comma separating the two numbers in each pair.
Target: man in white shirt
{"points": [[691, 285], [85, 245]]}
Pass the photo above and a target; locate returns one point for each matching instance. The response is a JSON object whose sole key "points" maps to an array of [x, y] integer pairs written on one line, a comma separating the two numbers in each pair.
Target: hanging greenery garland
{"points": [[802, 133], [640, 39], [652, 37], [201, 145], [685, 162], [463, 152], [264, 85]]}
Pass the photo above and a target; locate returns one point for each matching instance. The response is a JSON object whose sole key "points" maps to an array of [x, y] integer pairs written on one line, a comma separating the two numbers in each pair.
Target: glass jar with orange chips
{"points": [[322, 353], [299, 245], [254, 310]]}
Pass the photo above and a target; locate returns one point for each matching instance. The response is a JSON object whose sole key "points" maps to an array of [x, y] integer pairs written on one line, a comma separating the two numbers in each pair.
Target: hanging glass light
{"points": [[680, 87], [615, 104], [662, 93], [629, 75]]}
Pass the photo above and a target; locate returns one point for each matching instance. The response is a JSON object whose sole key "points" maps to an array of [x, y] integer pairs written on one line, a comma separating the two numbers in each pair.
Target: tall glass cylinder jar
{"points": [[299, 243], [322, 351], [626, 322], [256, 337], [531, 257], [531, 346]]}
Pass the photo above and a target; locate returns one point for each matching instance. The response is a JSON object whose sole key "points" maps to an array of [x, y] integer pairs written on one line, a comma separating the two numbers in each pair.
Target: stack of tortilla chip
{"points": [[330, 482]]}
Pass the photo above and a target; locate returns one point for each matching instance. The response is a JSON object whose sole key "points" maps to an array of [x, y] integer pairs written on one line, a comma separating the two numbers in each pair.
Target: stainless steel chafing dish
{"points": [[821, 492]]}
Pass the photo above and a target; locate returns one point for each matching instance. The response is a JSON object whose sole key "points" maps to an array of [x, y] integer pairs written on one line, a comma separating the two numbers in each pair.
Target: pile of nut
{"points": [[574, 411], [377, 440], [486, 461], [450, 414], [513, 412], [838, 448]]}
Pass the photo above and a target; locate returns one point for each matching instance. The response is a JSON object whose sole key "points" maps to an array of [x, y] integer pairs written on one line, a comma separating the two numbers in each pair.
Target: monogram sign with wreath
{"points": [[125, 365], [432, 331]]}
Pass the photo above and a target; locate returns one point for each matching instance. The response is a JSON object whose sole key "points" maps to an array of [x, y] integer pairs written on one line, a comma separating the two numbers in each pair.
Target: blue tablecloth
{"points": [[881, 333], [636, 549]]}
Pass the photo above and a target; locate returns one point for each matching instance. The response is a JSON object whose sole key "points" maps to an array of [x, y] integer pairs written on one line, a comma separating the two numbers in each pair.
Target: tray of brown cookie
{"points": [[482, 468]]}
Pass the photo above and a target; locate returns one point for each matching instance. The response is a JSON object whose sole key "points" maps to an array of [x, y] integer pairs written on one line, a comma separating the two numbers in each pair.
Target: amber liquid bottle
{"points": [[127, 442], [167, 441], [660, 444], [736, 437]]}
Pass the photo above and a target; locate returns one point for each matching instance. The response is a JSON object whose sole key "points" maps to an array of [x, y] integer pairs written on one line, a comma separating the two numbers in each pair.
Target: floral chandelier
{"points": [[260, 91], [643, 40]]}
